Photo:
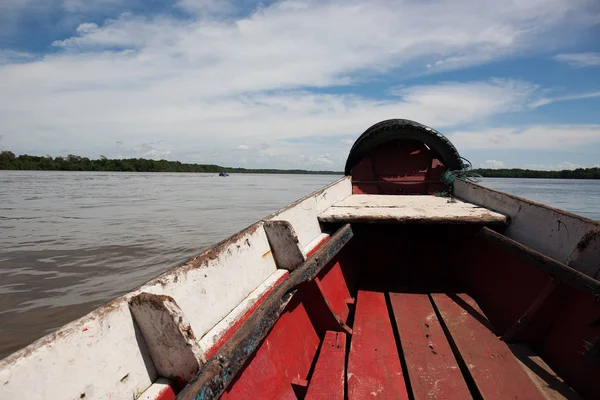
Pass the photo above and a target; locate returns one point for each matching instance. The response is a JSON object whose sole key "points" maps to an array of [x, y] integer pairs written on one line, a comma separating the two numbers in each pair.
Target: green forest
{"points": [[8, 160], [579, 173]]}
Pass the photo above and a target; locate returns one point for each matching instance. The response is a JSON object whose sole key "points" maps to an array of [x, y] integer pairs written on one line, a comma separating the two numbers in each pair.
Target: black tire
{"points": [[392, 129]]}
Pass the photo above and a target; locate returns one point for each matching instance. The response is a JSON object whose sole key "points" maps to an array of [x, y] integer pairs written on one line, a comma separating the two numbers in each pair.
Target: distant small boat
{"points": [[400, 280], [223, 173]]}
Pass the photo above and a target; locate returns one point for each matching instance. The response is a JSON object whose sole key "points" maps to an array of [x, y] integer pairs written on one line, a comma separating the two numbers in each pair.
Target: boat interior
{"points": [[429, 311], [416, 295]]}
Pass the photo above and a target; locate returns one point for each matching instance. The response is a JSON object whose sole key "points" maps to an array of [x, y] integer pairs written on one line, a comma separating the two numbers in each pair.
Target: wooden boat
{"points": [[376, 286]]}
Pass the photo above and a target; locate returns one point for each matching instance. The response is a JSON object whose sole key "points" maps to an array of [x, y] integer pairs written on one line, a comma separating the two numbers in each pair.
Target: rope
{"points": [[465, 173], [450, 176]]}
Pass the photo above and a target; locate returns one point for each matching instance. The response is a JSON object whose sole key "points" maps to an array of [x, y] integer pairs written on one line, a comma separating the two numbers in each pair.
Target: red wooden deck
{"points": [[432, 368], [374, 369], [328, 380], [420, 346]]}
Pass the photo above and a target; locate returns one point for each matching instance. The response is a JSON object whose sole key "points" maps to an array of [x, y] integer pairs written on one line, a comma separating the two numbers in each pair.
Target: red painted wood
{"points": [[374, 370], [286, 353], [566, 347], [236, 325], [314, 249], [166, 394], [319, 310], [299, 386], [399, 167], [363, 172], [333, 286], [487, 271], [328, 379], [432, 368], [496, 372]]}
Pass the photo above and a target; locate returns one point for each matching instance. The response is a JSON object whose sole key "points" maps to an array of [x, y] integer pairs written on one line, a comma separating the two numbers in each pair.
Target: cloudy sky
{"points": [[291, 84]]}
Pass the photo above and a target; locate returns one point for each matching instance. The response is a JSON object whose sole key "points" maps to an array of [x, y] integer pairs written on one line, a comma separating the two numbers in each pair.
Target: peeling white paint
{"points": [[206, 293], [89, 356], [212, 336], [303, 215]]}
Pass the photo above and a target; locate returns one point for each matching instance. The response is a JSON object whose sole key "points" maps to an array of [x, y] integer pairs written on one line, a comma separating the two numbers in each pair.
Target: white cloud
{"points": [[580, 59], [547, 100], [537, 137], [91, 117], [205, 82], [243, 147], [11, 56], [492, 164], [206, 6]]}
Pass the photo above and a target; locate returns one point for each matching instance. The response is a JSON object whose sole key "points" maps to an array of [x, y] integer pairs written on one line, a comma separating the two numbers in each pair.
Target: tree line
{"points": [[9, 161], [579, 173]]}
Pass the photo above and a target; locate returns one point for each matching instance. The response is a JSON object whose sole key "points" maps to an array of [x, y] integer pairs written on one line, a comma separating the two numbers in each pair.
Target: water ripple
{"points": [[74, 240]]}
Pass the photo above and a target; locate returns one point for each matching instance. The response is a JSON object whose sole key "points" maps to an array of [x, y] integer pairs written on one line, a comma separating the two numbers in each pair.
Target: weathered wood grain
{"points": [[218, 372], [409, 209], [374, 369], [560, 271], [488, 360], [328, 379], [432, 368]]}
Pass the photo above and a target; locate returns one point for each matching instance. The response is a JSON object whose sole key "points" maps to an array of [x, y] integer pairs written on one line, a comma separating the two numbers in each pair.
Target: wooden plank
{"points": [[282, 361], [560, 271], [493, 368], [374, 369], [432, 367], [513, 331], [328, 379], [284, 244], [408, 209], [547, 230], [218, 372], [171, 342], [319, 309], [548, 382], [401, 201]]}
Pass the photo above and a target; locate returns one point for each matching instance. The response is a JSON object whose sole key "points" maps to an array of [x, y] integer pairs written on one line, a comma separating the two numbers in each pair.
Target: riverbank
{"points": [[9, 161]]}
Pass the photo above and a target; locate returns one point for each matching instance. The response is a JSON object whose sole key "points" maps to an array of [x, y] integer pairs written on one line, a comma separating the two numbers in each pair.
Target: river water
{"points": [[70, 241]]}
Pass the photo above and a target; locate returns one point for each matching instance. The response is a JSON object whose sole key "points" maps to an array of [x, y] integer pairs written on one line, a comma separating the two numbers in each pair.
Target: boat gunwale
{"points": [[190, 263], [220, 370], [524, 200]]}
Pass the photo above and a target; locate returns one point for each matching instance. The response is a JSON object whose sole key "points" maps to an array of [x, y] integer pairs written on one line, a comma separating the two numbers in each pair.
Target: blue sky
{"points": [[291, 84]]}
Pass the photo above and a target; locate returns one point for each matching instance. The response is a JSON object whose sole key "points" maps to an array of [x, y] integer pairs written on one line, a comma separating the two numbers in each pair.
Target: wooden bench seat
{"points": [[328, 379], [408, 209]]}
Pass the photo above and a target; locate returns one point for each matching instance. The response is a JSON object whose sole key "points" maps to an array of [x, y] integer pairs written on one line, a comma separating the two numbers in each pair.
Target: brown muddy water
{"points": [[70, 241]]}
